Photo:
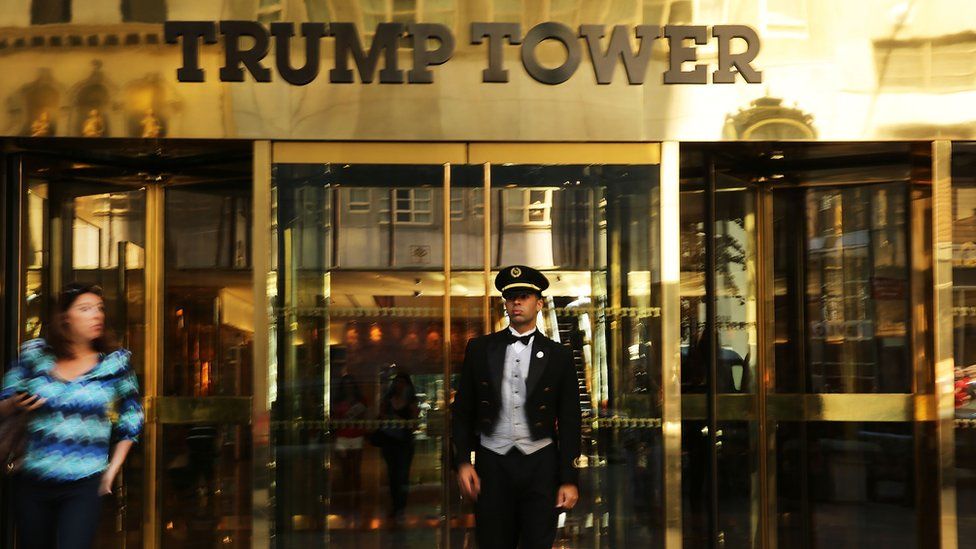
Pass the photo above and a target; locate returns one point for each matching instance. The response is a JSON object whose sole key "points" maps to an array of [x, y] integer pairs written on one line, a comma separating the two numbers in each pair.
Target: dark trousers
{"points": [[56, 514], [517, 503], [398, 455]]}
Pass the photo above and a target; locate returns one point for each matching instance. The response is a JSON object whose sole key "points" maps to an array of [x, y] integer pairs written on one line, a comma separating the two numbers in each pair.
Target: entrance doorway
{"points": [[164, 229], [807, 378]]}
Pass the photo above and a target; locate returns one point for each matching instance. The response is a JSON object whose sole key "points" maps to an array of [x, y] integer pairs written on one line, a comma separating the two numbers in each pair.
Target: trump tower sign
{"points": [[246, 44]]}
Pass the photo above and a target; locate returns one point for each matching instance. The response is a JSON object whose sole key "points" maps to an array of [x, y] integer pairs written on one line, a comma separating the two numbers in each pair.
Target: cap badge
{"points": [[516, 272]]}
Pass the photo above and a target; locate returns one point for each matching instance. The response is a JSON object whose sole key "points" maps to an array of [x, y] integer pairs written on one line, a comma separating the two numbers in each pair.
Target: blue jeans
{"points": [[62, 515]]}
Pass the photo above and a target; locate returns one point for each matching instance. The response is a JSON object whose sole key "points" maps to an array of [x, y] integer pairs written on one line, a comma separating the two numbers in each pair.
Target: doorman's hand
{"points": [[469, 482], [567, 496]]}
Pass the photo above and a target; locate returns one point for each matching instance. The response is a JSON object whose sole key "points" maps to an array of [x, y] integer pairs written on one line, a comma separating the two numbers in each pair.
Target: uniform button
{"points": [[484, 402], [547, 389], [543, 407], [485, 383], [538, 424]]}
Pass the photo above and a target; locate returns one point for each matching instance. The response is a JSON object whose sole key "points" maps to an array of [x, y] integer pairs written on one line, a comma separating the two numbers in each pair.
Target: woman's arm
{"points": [[128, 426], [114, 466]]}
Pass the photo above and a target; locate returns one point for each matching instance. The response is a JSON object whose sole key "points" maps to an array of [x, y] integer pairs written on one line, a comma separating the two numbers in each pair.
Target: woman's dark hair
{"points": [[57, 333]]}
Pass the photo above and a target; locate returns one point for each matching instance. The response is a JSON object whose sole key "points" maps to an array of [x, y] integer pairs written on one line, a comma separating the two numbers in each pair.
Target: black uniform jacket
{"points": [[552, 404]]}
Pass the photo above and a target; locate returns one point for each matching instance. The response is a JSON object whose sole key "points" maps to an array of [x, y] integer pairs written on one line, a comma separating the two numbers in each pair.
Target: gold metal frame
{"points": [[261, 414], [155, 322], [670, 247], [942, 333]]}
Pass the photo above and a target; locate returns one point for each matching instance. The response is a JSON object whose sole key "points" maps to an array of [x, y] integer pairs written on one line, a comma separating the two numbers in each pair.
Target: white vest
{"points": [[512, 429]]}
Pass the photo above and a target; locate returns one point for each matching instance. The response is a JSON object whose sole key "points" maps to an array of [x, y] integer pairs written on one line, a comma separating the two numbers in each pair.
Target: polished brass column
{"points": [[260, 412], [942, 335], [155, 203], [670, 247]]}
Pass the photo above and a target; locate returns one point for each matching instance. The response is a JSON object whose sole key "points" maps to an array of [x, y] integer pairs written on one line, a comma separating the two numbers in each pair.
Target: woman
{"points": [[81, 394], [399, 403], [350, 406]]}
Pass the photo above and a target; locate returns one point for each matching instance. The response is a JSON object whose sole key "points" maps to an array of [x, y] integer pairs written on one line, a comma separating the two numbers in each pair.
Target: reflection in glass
{"points": [[847, 484], [207, 352], [849, 260], [358, 391], [735, 302], [964, 331], [205, 473]]}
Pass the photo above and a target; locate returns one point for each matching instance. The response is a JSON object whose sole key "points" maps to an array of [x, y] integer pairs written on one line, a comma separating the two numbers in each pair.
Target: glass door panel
{"points": [[208, 310], [591, 229], [964, 332], [358, 390], [469, 307], [721, 488], [76, 229]]}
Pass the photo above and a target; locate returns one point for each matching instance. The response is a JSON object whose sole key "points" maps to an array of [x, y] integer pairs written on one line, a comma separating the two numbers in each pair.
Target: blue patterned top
{"points": [[68, 437]]}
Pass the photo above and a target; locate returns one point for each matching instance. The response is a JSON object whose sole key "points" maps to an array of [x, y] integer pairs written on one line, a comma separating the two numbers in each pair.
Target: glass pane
{"points": [[206, 478], [735, 301], [607, 312], [964, 332], [208, 308], [848, 484], [94, 233], [851, 255], [357, 401]]}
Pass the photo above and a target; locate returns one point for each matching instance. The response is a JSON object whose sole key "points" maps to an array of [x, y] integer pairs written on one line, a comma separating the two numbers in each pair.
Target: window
{"points": [[457, 204], [407, 11], [317, 10], [943, 63], [532, 207], [359, 200], [685, 12], [464, 200], [410, 206], [144, 11], [786, 18], [270, 11], [45, 12]]}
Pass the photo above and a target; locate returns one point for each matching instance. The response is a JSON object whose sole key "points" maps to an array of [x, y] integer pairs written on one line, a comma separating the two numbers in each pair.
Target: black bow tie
{"points": [[512, 338]]}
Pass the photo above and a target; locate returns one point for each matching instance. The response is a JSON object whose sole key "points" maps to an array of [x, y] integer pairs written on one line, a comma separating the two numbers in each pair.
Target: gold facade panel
{"points": [[285, 152], [670, 251], [565, 153], [904, 85]]}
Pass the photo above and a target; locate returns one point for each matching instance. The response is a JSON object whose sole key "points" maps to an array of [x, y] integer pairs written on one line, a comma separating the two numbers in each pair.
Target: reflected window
{"points": [[359, 200], [941, 63], [466, 201], [144, 11], [269, 11], [45, 12], [375, 12], [532, 207], [786, 16], [410, 206]]}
